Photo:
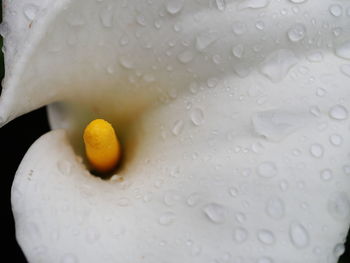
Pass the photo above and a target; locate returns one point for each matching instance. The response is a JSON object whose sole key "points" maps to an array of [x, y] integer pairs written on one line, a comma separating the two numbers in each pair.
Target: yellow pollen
{"points": [[101, 146]]}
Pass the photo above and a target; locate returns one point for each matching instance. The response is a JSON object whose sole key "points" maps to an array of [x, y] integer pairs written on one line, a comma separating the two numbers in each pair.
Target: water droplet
{"points": [[110, 70], [240, 217], [177, 127], [267, 169], [336, 140], [315, 110], [186, 56], [298, 235], [30, 11], [141, 20], [233, 191], [197, 116], [216, 213], [253, 4], [4, 29], [338, 112], [167, 218], [260, 25], [217, 59], [275, 208], [296, 32], [205, 39], [343, 50], [174, 6], [238, 50], [297, 1], [148, 78], [64, 167], [126, 62], [338, 250], [336, 10], [212, 82], [266, 237], [315, 56], [345, 69], [69, 258], [326, 174], [193, 199], [240, 234], [275, 125], [265, 260], [321, 92], [339, 206], [220, 4], [239, 28], [106, 17], [171, 198], [277, 64], [124, 40], [316, 150]]}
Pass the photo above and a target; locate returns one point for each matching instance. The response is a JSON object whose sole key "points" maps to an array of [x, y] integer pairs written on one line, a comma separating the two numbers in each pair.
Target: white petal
{"points": [[132, 49], [200, 182], [183, 192]]}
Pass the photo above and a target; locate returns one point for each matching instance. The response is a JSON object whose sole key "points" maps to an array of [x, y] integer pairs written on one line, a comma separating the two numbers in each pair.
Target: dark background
{"points": [[15, 139]]}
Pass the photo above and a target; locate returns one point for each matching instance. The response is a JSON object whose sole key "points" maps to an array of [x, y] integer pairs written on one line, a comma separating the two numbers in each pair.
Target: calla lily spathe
{"points": [[233, 116]]}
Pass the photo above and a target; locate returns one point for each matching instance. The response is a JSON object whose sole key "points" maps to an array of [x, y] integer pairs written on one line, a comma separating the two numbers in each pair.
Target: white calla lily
{"points": [[233, 117]]}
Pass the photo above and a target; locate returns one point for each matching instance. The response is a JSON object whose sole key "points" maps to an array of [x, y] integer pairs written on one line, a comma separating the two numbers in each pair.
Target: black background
{"points": [[15, 139]]}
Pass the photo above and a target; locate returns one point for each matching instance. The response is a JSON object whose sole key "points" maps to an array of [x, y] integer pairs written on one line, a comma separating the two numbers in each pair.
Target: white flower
{"points": [[233, 116]]}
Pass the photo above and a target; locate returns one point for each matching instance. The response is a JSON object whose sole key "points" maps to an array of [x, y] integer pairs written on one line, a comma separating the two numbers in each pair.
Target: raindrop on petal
{"points": [[339, 206], [275, 208], [186, 56], [30, 11], [239, 28], [277, 64], [338, 250], [167, 218], [298, 235], [253, 4], [266, 237], [316, 150], [177, 127], [197, 116], [296, 32], [315, 56], [174, 6], [193, 199], [326, 174], [343, 50], [338, 112], [336, 10], [216, 213], [205, 39], [267, 170], [238, 50], [336, 140], [240, 234], [220, 4]]}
